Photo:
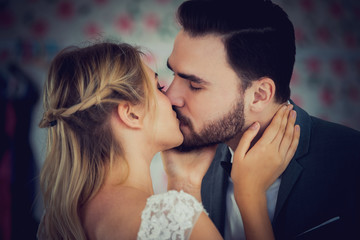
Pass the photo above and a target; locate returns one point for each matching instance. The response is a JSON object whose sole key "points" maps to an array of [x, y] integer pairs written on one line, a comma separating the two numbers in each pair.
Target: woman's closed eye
{"points": [[161, 88], [158, 85]]}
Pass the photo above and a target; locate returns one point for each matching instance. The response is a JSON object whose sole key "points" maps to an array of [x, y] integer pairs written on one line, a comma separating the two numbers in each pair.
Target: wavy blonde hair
{"points": [[83, 88]]}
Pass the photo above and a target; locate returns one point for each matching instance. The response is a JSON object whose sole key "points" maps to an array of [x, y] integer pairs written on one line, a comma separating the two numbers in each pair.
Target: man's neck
{"points": [[234, 142], [264, 119]]}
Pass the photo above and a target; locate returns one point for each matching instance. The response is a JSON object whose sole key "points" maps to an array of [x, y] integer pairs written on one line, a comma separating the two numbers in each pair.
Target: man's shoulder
{"points": [[333, 132], [334, 143], [315, 127], [326, 141]]}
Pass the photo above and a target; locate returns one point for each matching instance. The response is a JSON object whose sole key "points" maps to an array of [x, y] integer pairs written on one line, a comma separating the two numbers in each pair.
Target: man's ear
{"points": [[262, 94], [131, 115]]}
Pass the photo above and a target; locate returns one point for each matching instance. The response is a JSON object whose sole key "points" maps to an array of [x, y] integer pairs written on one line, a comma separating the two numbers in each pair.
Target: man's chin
{"points": [[192, 147], [183, 148], [185, 129]]}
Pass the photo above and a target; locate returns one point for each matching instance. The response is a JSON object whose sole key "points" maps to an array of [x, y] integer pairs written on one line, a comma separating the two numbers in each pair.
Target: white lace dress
{"points": [[169, 215]]}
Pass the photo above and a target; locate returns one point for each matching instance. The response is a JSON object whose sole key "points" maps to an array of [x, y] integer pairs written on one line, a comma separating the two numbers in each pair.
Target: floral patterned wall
{"points": [[326, 79]]}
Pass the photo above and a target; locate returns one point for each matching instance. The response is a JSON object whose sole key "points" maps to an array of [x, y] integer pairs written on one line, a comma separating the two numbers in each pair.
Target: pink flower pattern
{"points": [[307, 5], [7, 19], [124, 23], [313, 65], [338, 67], [151, 22], [39, 28], [323, 34], [66, 10], [327, 96], [92, 30], [336, 10]]}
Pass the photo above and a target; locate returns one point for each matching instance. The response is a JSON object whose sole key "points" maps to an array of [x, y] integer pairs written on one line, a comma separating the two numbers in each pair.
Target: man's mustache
{"points": [[184, 120]]}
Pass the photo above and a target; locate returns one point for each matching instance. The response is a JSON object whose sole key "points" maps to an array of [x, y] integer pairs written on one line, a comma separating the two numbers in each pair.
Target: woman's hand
{"points": [[185, 170], [256, 169]]}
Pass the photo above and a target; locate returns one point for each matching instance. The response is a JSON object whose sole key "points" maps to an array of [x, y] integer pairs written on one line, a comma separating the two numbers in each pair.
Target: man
{"points": [[232, 64]]}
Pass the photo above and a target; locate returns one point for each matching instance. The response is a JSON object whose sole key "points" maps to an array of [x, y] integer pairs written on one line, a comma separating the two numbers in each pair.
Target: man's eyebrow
{"points": [[189, 77]]}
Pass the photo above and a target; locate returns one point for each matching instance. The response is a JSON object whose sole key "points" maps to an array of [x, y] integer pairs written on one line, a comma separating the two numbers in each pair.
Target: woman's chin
{"points": [[174, 143], [181, 140]]}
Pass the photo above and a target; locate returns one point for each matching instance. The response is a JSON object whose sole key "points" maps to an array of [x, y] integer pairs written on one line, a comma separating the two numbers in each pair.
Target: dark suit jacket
{"points": [[319, 195]]}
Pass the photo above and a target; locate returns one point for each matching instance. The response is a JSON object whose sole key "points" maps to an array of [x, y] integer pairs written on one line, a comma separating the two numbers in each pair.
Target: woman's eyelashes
{"points": [[161, 88]]}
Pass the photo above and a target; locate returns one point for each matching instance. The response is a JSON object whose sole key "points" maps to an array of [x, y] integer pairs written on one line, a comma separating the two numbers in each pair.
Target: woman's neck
{"points": [[133, 172]]}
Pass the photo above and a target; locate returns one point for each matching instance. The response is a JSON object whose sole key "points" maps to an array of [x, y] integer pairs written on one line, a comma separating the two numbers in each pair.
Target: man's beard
{"points": [[215, 132]]}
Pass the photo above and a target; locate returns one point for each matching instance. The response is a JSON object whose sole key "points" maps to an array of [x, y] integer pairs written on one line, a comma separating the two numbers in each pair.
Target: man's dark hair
{"points": [[258, 37]]}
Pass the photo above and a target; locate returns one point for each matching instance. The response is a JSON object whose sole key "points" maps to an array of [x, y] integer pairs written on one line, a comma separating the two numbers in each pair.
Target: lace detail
{"points": [[169, 215]]}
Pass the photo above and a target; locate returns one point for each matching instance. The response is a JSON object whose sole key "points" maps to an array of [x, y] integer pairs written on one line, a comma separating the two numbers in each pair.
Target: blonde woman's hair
{"points": [[83, 88]]}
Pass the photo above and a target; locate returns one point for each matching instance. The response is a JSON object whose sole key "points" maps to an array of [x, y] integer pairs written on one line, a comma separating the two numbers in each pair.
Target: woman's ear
{"points": [[262, 94], [131, 115]]}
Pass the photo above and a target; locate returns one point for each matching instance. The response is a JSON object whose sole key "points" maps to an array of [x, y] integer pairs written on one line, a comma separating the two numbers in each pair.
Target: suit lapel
{"points": [[288, 181], [214, 187], [293, 171]]}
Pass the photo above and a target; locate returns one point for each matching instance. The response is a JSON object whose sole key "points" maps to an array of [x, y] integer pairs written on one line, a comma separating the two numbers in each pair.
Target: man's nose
{"points": [[176, 93]]}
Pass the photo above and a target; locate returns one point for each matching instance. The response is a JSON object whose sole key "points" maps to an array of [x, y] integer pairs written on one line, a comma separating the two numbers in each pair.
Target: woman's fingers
{"points": [[284, 122], [272, 130], [295, 141], [246, 140], [287, 136]]}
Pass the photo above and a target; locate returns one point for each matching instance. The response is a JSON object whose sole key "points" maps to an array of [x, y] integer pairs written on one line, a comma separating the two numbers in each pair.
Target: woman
{"points": [[107, 117]]}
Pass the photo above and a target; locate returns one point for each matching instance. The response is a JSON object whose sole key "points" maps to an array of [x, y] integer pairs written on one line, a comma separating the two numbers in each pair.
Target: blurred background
{"points": [[326, 79]]}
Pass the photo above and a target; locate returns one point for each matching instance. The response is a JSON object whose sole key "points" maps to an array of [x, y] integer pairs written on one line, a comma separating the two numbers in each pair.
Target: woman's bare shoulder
{"points": [[114, 213]]}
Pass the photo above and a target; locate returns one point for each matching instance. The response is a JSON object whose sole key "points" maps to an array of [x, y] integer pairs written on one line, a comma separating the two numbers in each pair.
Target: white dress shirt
{"points": [[234, 227]]}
